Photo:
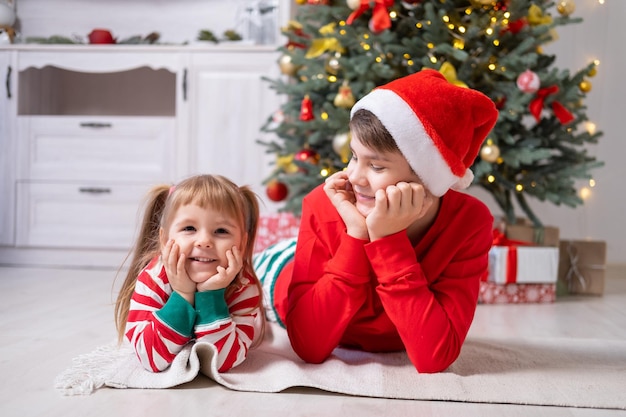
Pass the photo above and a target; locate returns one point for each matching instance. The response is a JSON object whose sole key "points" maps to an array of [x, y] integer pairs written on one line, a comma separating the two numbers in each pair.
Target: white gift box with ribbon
{"points": [[523, 264]]}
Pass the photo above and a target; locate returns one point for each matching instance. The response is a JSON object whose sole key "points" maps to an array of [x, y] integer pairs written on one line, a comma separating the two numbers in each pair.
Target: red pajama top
{"points": [[386, 295], [161, 322]]}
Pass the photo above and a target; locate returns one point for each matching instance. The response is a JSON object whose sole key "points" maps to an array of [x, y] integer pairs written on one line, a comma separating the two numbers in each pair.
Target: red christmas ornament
{"points": [[276, 190], [306, 109], [516, 26], [500, 6], [500, 102], [307, 155]]}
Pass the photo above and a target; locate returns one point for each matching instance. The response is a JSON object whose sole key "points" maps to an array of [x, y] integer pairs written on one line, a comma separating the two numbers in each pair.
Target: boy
{"points": [[389, 256]]}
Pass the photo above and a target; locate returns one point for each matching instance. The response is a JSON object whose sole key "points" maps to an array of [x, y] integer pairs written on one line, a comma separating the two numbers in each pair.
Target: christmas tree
{"points": [[338, 51]]}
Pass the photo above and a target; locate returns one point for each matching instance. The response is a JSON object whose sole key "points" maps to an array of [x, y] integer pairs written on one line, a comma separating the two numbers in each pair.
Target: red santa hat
{"points": [[438, 127]]}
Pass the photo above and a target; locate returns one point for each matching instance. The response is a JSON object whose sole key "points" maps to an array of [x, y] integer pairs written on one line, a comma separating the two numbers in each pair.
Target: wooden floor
{"points": [[49, 316]]}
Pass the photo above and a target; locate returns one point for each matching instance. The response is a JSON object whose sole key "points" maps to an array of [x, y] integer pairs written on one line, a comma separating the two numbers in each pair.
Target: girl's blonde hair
{"points": [[162, 202]]}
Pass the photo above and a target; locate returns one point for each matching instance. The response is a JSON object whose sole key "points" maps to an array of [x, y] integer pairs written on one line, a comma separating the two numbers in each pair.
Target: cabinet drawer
{"points": [[78, 215], [96, 148]]}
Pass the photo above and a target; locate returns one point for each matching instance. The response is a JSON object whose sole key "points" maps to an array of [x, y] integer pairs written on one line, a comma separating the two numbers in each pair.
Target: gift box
{"points": [[275, 227], [493, 293], [525, 231], [523, 264], [582, 265]]}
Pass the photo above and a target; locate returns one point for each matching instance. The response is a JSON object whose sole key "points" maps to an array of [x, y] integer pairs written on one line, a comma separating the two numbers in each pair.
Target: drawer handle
{"points": [[94, 190], [8, 81], [96, 125]]}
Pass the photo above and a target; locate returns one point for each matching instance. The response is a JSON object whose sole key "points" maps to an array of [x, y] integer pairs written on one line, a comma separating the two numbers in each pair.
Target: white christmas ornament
{"points": [[353, 4], [528, 82]]}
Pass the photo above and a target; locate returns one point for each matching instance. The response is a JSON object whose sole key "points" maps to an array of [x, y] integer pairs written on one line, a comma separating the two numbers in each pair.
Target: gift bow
{"points": [[380, 15], [574, 270], [500, 239], [449, 72], [560, 111]]}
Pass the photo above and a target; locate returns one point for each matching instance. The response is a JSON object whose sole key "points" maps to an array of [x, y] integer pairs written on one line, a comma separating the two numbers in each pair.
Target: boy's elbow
{"points": [[433, 364], [431, 368], [312, 357]]}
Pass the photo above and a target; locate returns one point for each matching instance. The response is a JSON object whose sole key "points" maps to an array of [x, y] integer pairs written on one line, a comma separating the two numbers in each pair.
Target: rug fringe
{"points": [[90, 371]]}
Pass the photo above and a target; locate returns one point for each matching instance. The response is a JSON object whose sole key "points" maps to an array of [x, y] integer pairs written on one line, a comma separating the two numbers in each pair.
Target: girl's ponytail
{"points": [[145, 248], [251, 219]]}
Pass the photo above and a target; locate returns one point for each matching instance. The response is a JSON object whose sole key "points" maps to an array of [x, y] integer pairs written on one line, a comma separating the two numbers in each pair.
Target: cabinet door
{"points": [[7, 145], [229, 104]]}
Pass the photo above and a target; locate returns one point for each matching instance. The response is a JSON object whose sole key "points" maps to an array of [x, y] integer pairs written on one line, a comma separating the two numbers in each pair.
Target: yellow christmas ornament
{"points": [[286, 66], [344, 97], [479, 3], [448, 71], [566, 7], [332, 64], [285, 163], [536, 16], [585, 86], [328, 29], [490, 152], [292, 25], [341, 145], [322, 45]]}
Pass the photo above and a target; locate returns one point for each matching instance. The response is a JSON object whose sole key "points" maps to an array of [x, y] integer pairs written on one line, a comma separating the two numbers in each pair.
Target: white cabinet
{"points": [[230, 104], [7, 150], [94, 131], [88, 130]]}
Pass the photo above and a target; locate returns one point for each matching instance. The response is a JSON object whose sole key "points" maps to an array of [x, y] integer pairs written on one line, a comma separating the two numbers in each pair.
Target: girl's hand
{"points": [[339, 191], [224, 276], [174, 263], [396, 208]]}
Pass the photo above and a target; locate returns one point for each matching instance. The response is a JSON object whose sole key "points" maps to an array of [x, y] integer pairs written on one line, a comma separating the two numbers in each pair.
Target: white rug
{"points": [[557, 372]]}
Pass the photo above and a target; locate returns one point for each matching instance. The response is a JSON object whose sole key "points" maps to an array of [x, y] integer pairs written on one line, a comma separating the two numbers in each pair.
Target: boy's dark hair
{"points": [[371, 132]]}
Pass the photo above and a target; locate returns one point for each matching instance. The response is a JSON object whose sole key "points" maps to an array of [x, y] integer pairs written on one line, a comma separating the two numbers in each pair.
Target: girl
{"points": [[388, 255], [191, 277]]}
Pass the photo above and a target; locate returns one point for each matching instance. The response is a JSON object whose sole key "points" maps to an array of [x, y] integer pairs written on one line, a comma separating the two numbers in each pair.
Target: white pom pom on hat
{"points": [[438, 127]]}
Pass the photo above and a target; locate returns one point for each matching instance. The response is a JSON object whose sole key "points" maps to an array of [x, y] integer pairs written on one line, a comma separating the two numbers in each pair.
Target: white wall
{"points": [[599, 36], [177, 21]]}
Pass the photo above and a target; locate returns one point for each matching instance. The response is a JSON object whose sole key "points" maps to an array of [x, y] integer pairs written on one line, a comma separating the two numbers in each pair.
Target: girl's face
{"points": [[369, 171], [204, 235]]}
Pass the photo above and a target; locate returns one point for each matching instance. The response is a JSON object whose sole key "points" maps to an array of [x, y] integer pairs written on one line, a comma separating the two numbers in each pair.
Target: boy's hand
{"points": [[224, 276], [174, 263], [396, 208], [339, 191]]}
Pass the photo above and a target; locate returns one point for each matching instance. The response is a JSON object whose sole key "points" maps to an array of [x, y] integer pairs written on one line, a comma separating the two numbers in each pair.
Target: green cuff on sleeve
{"points": [[178, 314], [211, 306]]}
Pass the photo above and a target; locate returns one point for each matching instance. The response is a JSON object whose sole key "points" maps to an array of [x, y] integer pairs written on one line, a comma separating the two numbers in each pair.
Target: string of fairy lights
{"points": [[490, 151]]}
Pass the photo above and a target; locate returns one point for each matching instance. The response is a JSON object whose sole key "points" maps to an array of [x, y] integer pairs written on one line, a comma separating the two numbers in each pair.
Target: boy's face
{"points": [[370, 170]]}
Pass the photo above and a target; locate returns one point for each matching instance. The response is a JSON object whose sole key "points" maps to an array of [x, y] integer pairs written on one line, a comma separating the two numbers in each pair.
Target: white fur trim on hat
{"points": [[417, 147]]}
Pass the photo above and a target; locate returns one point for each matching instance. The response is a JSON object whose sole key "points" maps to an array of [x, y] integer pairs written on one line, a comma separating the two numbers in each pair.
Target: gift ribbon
{"points": [[574, 270], [380, 15], [500, 239], [559, 110]]}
